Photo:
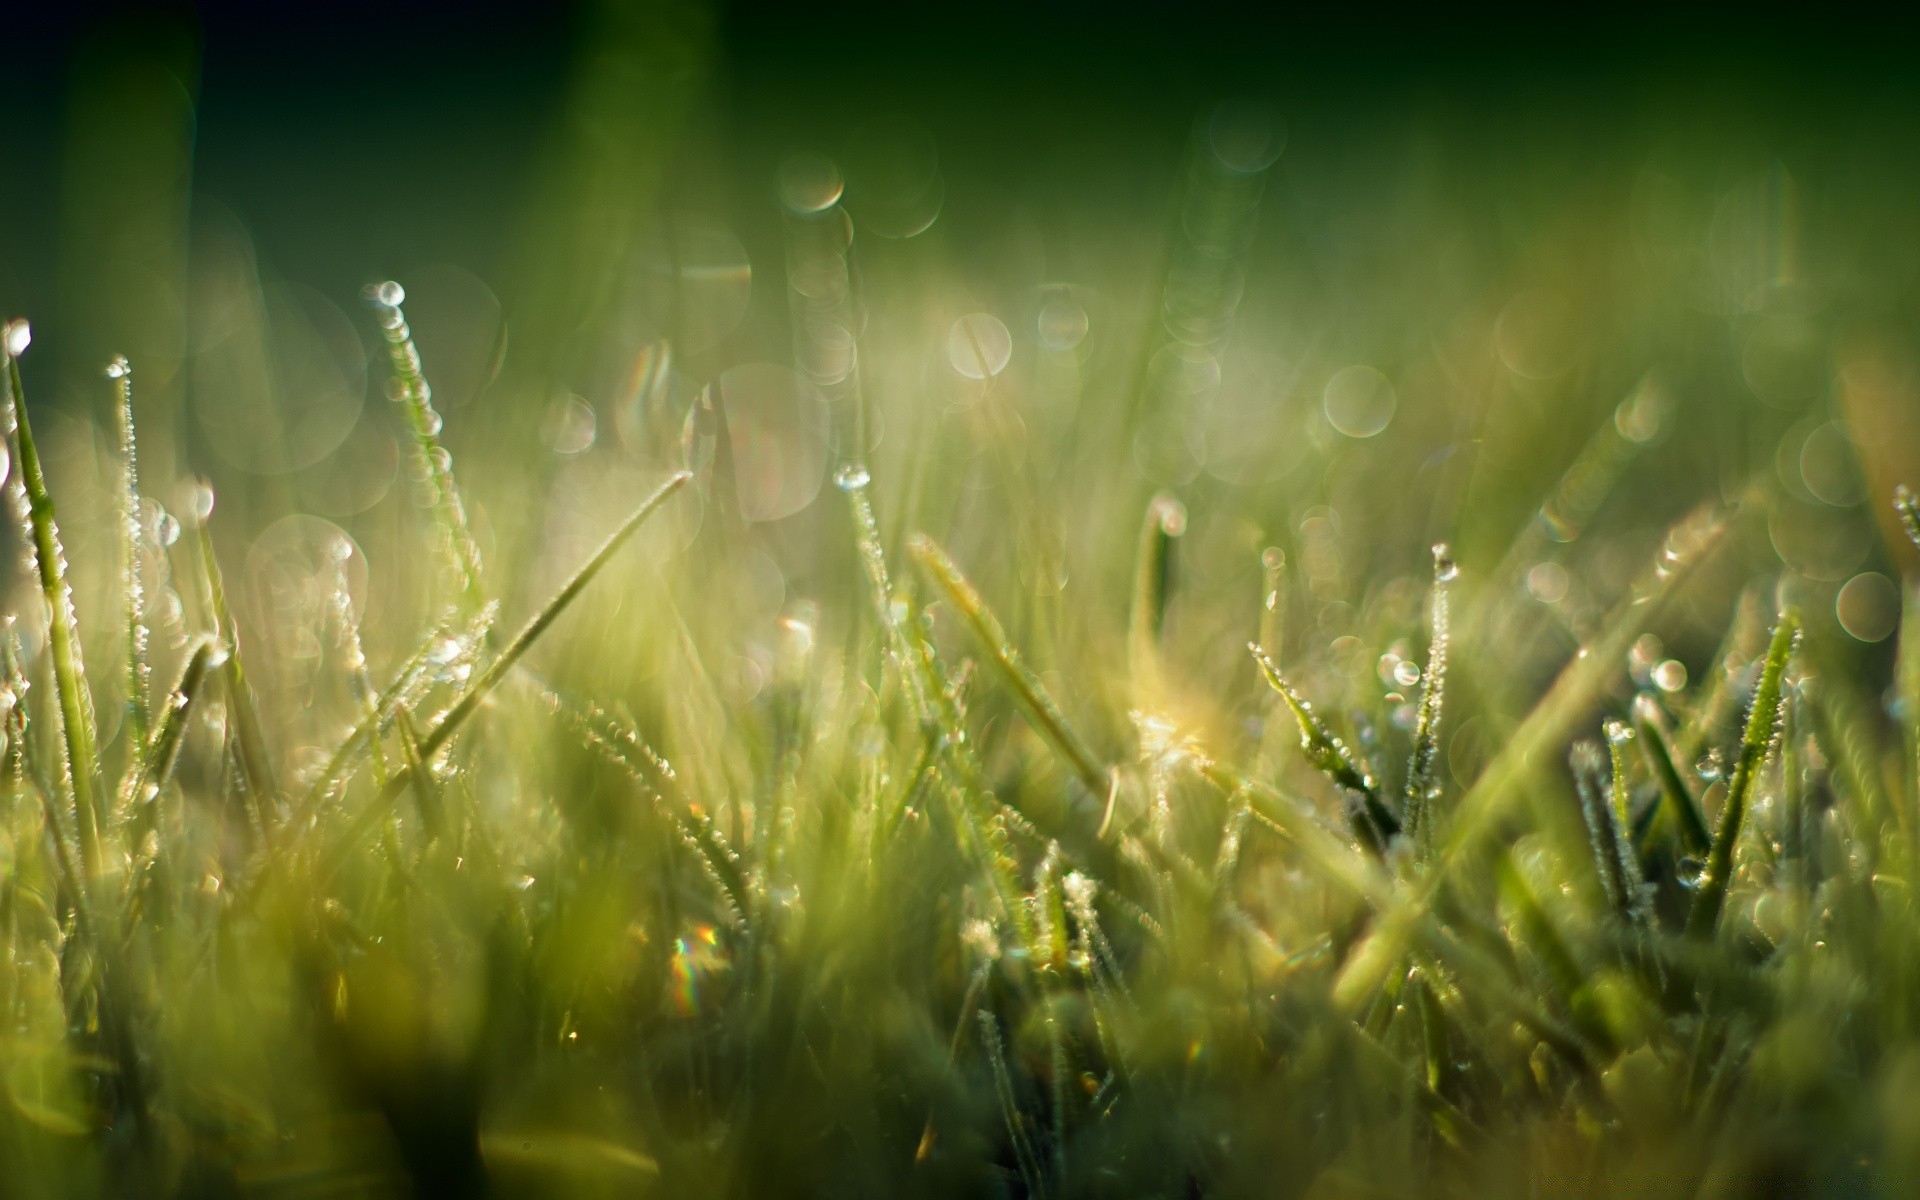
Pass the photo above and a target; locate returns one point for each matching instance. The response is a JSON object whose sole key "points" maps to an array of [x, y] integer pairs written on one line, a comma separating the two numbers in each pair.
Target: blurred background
{"points": [[1346, 283]]}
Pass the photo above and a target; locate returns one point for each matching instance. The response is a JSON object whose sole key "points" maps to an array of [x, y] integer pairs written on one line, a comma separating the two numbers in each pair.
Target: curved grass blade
{"points": [[1762, 723], [35, 507], [1040, 706]]}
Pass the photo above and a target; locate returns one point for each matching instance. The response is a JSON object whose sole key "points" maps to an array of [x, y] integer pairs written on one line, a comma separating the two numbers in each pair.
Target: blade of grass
{"points": [[1762, 724], [432, 464], [1374, 824], [154, 767], [1026, 686], [256, 767], [1656, 746], [1422, 788], [131, 590], [69, 672], [1547, 724], [1164, 523], [450, 723]]}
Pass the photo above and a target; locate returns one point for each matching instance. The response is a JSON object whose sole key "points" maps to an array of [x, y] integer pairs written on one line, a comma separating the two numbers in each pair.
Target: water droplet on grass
{"points": [[387, 295], [118, 367], [809, 183], [1359, 401], [852, 477], [1445, 570], [1406, 673], [18, 336], [979, 346]]}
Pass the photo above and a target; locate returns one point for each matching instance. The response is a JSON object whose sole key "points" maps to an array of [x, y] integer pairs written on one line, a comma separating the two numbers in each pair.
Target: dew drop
{"points": [[387, 295], [1406, 673], [979, 346], [1273, 558], [810, 183], [1061, 324], [433, 423], [1445, 570], [1359, 401], [1671, 675], [166, 528], [18, 336], [200, 501], [118, 367], [1619, 733], [852, 477]]}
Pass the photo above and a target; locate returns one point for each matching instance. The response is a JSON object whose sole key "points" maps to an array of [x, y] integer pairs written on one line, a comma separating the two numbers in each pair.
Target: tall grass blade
{"points": [[1422, 789], [131, 589], [1016, 1122], [1547, 724], [432, 464], [35, 508], [1040, 707], [489, 679], [538, 623], [256, 766], [1763, 721]]}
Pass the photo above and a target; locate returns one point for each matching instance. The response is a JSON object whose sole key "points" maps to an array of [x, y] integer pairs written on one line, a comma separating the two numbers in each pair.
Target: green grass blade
{"points": [[1656, 746], [854, 479], [1907, 506], [256, 766], [1546, 726], [154, 767], [139, 672], [537, 625], [1374, 824], [1040, 706], [431, 461], [1164, 523], [1762, 724], [489, 679], [63, 637], [1422, 789]]}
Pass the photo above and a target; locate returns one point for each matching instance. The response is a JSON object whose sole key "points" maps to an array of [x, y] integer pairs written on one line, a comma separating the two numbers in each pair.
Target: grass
{"points": [[1078, 922]]}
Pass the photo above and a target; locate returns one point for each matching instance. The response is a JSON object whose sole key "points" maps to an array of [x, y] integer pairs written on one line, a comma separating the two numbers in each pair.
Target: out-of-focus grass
{"points": [[891, 805]]}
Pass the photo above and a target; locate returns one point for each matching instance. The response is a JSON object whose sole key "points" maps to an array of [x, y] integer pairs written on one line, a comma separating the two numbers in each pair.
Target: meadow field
{"points": [[694, 601]]}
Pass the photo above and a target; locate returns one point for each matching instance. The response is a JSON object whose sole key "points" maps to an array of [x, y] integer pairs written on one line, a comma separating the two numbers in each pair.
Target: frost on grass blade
{"points": [[1374, 825], [1423, 789]]}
